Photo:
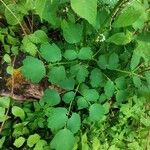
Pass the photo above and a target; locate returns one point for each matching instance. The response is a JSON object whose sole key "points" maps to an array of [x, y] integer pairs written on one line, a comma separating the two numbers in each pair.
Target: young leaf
{"points": [[74, 123], [29, 46], [82, 103], [72, 33], [4, 102], [57, 74], [120, 83], [33, 69], [64, 138], [68, 97], [103, 61], [19, 142], [128, 16], [96, 78], [121, 96], [85, 53], [51, 97], [18, 112], [91, 95], [57, 118], [120, 38], [80, 71], [67, 84], [113, 61], [38, 37], [86, 9], [33, 139], [96, 112], [109, 89], [15, 16], [50, 52], [70, 54]]}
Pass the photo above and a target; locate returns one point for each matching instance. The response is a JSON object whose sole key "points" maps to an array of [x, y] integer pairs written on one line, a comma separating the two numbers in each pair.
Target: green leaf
{"points": [[128, 16], [82, 103], [29, 46], [47, 10], [121, 96], [2, 140], [57, 118], [80, 72], [109, 89], [64, 138], [4, 102], [70, 54], [7, 58], [91, 95], [50, 52], [18, 112], [137, 81], [38, 37], [86, 9], [2, 114], [85, 53], [67, 84], [33, 69], [40, 145], [96, 78], [51, 97], [74, 123], [103, 61], [13, 15], [68, 97], [120, 38], [57, 74], [72, 33], [120, 83], [19, 142], [113, 61], [33, 139], [135, 60], [96, 112]]}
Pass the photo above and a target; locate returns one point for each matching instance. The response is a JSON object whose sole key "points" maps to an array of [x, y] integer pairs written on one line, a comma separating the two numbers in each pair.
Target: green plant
{"points": [[94, 57]]}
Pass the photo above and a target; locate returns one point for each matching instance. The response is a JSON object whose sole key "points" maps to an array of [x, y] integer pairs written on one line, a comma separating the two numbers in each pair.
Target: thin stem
{"points": [[70, 106]]}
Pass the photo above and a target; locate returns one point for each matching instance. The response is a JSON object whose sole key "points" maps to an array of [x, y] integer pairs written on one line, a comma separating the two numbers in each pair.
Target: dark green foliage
{"points": [[92, 60]]}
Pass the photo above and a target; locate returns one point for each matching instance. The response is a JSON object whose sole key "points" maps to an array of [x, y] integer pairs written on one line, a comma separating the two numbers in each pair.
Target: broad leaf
{"points": [[33, 69], [71, 32], [70, 54], [68, 97], [96, 77], [74, 123], [18, 112], [50, 52], [57, 74], [109, 89], [19, 142], [96, 112], [33, 139], [120, 38], [57, 118], [86, 9], [51, 97], [85, 53], [63, 139], [90, 95]]}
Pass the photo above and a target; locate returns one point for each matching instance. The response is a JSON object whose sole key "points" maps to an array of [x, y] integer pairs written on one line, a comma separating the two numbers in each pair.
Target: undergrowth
{"points": [[89, 64]]}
